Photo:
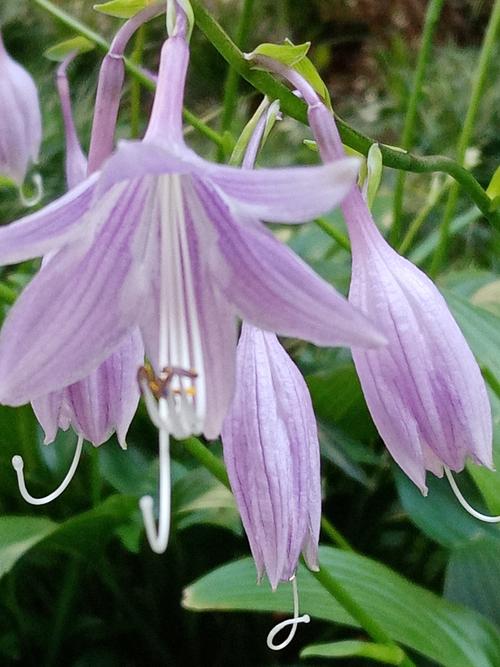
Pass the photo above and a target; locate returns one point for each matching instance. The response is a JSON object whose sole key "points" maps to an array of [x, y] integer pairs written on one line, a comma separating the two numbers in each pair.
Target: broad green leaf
{"points": [[482, 330], [19, 534], [447, 633], [389, 655], [287, 53], [59, 51], [85, 533], [440, 516], [488, 297], [473, 578], [122, 9]]}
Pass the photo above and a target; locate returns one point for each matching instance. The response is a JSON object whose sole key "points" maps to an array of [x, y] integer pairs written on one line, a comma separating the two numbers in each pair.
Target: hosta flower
{"points": [[20, 119], [424, 389], [271, 452], [166, 241]]}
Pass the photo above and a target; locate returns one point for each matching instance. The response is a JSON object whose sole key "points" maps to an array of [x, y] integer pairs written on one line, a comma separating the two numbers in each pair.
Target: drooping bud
{"points": [[272, 456], [20, 119]]}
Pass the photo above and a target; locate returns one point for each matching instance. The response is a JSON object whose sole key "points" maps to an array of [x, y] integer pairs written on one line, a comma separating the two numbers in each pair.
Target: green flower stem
{"points": [[133, 69], [421, 217], [334, 535], [135, 88], [344, 598], [208, 459], [478, 85], [334, 233], [431, 21], [296, 108], [233, 76]]}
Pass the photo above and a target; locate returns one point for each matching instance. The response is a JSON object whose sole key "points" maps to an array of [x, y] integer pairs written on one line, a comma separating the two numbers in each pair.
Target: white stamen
{"points": [[291, 621], [180, 410], [18, 465], [465, 504], [158, 540]]}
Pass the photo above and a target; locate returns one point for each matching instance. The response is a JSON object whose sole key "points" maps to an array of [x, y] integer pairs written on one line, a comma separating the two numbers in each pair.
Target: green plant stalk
{"points": [[431, 21], [296, 108], [343, 597], [135, 88], [233, 76], [132, 68], [478, 85], [419, 220], [334, 535], [334, 233]]}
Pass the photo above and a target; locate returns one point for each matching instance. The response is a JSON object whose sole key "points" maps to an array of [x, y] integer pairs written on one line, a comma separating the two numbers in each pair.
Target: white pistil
{"points": [[465, 504], [18, 464], [158, 540], [293, 622]]}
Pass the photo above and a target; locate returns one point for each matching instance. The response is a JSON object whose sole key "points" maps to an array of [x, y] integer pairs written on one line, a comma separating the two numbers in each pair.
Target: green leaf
{"points": [[59, 51], [482, 330], [408, 613], [493, 189], [19, 534], [459, 529], [122, 9], [390, 655], [287, 53], [473, 578]]}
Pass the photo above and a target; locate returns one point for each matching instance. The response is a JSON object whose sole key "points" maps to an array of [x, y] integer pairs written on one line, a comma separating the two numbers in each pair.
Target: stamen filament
{"points": [[293, 622], [18, 465], [158, 540], [465, 504]]}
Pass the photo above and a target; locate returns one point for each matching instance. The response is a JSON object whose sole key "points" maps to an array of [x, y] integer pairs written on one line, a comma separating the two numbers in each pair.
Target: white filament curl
{"points": [[293, 622], [465, 504], [18, 465]]}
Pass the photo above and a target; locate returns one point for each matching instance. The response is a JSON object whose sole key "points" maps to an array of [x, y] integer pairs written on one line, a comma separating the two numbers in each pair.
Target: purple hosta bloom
{"points": [[101, 403], [166, 241], [271, 452], [106, 400], [424, 389], [20, 119]]}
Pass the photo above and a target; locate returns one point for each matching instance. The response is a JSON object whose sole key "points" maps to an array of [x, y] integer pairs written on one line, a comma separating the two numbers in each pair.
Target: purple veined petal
{"points": [[272, 455], [77, 309], [294, 194], [107, 399], [136, 159], [217, 321], [75, 160], [165, 124], [273, 288], [50, 413], [50, 228]]}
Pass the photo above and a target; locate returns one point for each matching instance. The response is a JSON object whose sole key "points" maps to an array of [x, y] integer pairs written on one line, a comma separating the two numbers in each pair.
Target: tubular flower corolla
{"points": [[424, 389], [20, 119], [271, 452]]}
